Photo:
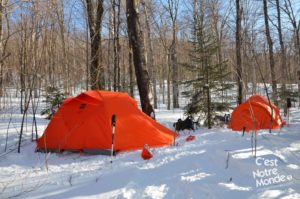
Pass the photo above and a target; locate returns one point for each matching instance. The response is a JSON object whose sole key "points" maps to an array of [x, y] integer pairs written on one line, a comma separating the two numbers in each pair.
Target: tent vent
{"points": [[82, 106]]}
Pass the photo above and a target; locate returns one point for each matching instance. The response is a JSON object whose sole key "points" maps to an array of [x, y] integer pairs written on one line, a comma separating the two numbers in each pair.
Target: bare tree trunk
{"points": [[239, 67], [74, 61], [3, 42], [175, 70], [51, 69], [115, 52], [87, 54], [282, 53], [131, 78], [136, 36], [110, 84], [34, 49], [26, 106], [151, 66], [1, 48], [23, 63], [169, 81], [123, 84], [65, 64], [218, 25], [173, 11], [271, 54], [117, 46], [195, 18], [165, 64], [250, 42], [296, 28], [96, 68], [209, 115]]}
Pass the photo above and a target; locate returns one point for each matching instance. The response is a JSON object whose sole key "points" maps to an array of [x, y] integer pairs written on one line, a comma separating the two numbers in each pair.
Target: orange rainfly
{"points": [[84, 123], [255, 114]]}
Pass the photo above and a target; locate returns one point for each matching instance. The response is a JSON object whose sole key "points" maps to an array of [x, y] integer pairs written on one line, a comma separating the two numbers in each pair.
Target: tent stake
{"points": [[113, 124], [288, 116]]}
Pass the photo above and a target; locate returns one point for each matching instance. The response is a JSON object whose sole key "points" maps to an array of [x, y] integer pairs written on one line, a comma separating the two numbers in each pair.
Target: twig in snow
{"points": [[227, 160], [7, 132], [70, 180]]}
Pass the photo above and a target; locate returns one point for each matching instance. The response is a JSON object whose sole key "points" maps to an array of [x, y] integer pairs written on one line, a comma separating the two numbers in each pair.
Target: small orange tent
{"points": [[255, 114], [84, 123]]}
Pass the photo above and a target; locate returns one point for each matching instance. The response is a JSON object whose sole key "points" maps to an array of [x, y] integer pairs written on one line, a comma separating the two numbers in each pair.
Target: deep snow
{"points": [[217, 164]]}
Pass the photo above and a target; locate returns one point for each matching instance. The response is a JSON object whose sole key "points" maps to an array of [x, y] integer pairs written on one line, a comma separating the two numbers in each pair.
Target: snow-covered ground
{"points": [[217, 164]]}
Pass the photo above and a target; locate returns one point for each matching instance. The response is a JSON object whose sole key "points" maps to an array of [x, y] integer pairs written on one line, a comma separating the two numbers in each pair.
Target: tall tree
{"points": [[151, 65], [208, 81], [271, 53], [3, 41], [59, 11], [131, 69], [282, 50], [116, 44], [87, 60], [218, 22], [95, 26], [172, 9], [23, 60], [238, 43], [110, 52], [289, 10], [135, 35], [161, 27], [1, 48], [195, 19]]}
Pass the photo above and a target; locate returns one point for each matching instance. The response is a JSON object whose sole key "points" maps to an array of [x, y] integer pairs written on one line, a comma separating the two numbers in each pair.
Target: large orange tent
{"points": [[84, 123], [255, 114]]}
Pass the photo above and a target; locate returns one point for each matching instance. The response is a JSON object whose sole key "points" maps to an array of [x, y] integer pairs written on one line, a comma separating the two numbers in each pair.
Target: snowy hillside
{"points": [[217, 164]]}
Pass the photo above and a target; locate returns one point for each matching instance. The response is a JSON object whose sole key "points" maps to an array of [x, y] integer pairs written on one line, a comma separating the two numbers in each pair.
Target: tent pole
{"points": [[113, 124], [174, 140], [252, 142], [255, 143]]}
